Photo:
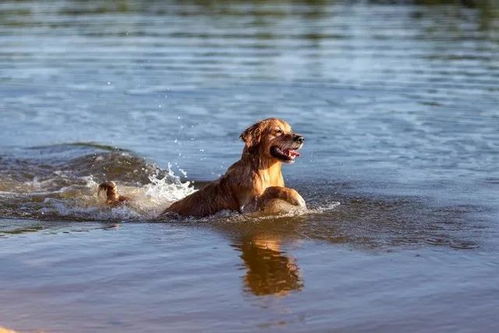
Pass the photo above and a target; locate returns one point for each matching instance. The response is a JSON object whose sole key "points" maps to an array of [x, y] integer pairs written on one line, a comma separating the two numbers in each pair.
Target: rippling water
{"points": [[399, 106]]}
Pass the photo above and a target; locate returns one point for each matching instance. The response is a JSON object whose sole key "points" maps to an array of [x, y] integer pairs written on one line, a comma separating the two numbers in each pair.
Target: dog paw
{"points": [[297, 200], [300, 202]]}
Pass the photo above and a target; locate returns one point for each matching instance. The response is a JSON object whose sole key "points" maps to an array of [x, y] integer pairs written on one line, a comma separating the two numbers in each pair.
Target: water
{"points": [[398, 104]]}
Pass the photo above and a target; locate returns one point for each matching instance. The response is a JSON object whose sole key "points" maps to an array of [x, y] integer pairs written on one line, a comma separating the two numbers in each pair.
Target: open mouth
{"points": [[284, 154]]}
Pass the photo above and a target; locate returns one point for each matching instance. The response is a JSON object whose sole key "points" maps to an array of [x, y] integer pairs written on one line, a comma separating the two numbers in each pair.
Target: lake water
{"points": [[399, 107]]}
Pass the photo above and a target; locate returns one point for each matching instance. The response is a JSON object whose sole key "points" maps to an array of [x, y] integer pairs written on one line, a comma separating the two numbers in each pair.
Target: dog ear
{"points": [[252, 137]]}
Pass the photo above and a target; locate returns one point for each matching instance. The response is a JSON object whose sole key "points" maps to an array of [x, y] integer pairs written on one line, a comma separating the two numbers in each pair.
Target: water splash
{"points": [[52, 188]]}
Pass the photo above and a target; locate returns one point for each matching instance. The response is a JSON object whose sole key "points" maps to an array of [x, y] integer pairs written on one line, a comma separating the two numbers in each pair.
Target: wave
{"points": [[53, 186]]}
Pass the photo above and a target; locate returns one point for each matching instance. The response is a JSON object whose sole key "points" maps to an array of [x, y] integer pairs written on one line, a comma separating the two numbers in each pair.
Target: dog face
{"points": [[274, 139]]}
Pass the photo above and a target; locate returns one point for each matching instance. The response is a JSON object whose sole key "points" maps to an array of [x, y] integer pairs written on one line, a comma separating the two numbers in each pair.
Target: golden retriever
{"points": [[252, 184]]}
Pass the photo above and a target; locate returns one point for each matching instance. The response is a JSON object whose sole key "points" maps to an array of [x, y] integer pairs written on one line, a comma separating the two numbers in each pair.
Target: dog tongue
{"points": [[293, 153]]}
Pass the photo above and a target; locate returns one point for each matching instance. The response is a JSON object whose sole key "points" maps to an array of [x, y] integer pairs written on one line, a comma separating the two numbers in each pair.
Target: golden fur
{"points": [[252, 184]]}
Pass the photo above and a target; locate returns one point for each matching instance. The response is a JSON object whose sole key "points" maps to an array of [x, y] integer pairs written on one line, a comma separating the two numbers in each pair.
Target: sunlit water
{"points": [[399, 107]]}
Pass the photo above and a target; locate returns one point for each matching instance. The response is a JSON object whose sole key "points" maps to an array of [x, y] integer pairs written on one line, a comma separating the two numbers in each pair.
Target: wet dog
{"points": [[252, 184]]}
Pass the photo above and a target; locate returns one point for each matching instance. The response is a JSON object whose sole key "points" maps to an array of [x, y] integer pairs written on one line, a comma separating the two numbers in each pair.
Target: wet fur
{"points": [[252, 184], [111, 192]]}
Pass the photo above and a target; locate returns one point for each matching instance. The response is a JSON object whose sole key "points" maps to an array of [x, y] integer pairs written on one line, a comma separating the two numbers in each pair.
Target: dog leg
{"points": [[277, 199], [112, 196]]}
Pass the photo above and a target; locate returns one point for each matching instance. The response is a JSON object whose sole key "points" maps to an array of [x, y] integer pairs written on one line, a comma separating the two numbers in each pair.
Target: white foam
{"points": [[325, 208]]}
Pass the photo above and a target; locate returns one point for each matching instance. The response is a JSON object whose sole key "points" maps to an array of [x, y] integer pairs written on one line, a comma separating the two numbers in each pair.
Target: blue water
{"points": [[398, 104]]}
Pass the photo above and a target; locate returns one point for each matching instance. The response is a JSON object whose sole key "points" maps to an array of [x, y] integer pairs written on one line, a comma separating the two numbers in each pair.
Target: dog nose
{"points": [[298, 138]]}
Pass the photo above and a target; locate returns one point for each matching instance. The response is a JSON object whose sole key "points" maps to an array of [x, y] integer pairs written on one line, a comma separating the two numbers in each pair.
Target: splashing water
{"points": [[54, 189]]}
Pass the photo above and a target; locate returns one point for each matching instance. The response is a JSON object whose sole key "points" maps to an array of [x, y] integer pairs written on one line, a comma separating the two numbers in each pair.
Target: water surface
{"points": [[398, 104]]}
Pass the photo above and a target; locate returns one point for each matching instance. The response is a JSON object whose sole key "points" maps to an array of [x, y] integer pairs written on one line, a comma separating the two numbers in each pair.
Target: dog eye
{"points": [[278, 131]]}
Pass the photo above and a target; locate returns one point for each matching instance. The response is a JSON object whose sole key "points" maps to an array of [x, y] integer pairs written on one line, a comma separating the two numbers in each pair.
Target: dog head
{"points": [[274, 139]]}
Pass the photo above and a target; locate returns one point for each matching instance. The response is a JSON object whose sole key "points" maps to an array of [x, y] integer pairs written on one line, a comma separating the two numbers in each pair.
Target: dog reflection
{"points": [[269, 270]]}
